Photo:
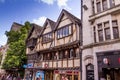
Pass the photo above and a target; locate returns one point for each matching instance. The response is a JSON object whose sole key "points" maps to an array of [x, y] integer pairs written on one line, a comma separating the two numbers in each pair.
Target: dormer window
{"points": [[64, 31]]}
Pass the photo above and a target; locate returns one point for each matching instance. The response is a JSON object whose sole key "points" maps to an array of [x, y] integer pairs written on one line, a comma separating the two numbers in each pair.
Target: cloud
{"points": [[3, 40], [60, 3], [46, 1], [40, 21]]}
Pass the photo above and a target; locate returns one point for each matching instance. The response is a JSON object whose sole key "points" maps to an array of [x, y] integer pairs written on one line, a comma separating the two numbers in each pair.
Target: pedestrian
{"points": [[18, 78], [3, 77]]}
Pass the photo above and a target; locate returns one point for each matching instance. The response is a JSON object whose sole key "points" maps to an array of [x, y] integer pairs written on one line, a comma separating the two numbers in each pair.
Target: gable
{"points": [[47, 29], [64, 21], [33, 35]]}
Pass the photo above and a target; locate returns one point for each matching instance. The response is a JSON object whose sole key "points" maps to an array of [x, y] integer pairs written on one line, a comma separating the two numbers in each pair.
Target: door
{"points": [[89, 72]]}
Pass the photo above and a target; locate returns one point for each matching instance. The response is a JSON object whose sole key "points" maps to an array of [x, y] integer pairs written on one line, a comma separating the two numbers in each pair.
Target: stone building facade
{"points": [[101, 39]]}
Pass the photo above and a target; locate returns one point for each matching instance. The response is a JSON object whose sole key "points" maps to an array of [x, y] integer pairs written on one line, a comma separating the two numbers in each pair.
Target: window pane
{"points": [[94, 32], [115, 32], [67, 31], [64, 32], [106, 24], [105, 6], [70, 29], [100, 35], [61, 33], [107, 33], [99, 26], [98, 7], [58, 34], [112, 3], [114, 23]]}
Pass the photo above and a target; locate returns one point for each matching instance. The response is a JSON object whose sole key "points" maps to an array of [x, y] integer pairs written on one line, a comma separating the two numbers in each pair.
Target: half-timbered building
{"points": [[31, 49], [58, 49]]}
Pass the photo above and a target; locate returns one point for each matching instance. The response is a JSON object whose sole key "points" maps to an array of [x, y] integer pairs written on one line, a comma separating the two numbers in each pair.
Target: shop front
{"points": [[29, 71], [109, 65], [67, 74]]}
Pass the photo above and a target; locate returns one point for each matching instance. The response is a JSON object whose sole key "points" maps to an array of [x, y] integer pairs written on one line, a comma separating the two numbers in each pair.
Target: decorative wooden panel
{"points": [[43, 63], [59, 63], [50, 64], [76, 62], [70, 63], [64, 63], [54, 64]]}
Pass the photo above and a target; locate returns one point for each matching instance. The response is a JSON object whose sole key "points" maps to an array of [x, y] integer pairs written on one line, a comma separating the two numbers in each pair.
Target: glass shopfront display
{"points": [[109, 65]]}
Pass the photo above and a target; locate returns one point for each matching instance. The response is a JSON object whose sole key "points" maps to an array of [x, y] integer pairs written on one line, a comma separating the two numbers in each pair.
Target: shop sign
{"points": [[30, 65], [76, 72], [38, 65], [56, 71], [66, 72]]}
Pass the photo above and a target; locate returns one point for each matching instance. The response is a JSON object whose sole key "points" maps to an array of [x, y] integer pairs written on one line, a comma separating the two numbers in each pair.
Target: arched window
{"points": [[71, 53]]}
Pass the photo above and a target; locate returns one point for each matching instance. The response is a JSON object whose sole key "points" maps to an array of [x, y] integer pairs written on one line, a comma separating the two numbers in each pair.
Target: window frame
{"points": [[67, 30], [115, 27], [46, 37]]}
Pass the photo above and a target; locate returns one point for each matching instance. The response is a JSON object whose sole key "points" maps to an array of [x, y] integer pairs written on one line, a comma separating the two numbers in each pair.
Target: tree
{"points": [[16, 54], [0, 57]]}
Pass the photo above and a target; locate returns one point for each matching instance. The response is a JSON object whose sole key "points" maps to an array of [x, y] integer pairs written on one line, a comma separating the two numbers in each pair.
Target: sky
{"points": [[34, 11]]}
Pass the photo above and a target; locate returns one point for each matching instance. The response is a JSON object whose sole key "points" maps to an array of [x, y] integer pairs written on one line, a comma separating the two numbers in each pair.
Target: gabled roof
{"points": [[69, 15], [50, 22], [16, 26], [36, 28]]}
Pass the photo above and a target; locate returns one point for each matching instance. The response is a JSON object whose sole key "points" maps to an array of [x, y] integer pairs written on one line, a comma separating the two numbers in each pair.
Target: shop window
{"points": [[69, 77], [75, 77]]}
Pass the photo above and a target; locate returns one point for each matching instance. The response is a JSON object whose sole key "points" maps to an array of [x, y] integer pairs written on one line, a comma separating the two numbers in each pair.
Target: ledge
{"points": [[113, 10]]}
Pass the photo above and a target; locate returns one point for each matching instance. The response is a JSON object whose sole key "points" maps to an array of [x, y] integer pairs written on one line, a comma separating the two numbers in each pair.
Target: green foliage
{"points": [[0, 57], [16, 56]]}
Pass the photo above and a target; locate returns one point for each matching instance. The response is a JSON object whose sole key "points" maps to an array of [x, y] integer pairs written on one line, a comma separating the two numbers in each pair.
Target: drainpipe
{"points": [[81, 39]]}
